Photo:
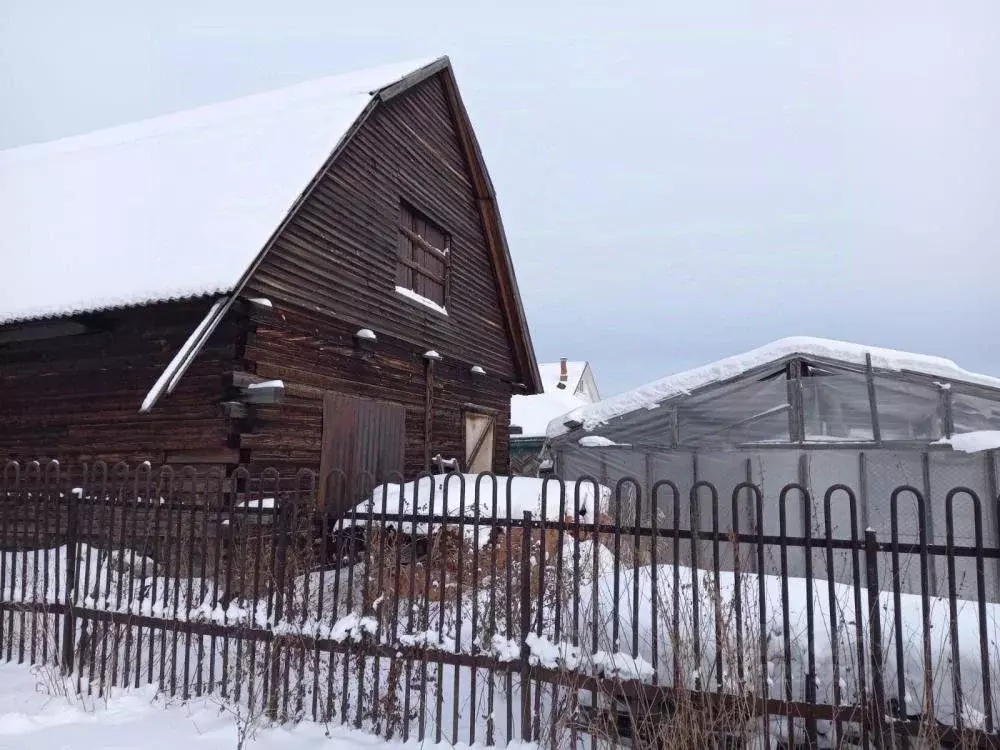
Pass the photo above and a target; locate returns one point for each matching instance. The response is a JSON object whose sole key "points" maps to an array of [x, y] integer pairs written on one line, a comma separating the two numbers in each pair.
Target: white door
{"points": [[479, 442]]}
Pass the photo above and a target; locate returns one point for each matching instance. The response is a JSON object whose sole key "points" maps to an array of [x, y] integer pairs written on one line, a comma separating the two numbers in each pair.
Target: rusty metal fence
{"points": [[493, 609]]}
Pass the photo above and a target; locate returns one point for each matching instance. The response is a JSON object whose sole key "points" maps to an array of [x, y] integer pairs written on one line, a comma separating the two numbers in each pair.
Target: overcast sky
{"points": [[679, 181]]}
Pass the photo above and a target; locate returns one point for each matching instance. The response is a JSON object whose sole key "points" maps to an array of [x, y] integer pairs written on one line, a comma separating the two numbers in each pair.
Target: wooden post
{"points": [[69, 620], [428, 411], [282, 522]]}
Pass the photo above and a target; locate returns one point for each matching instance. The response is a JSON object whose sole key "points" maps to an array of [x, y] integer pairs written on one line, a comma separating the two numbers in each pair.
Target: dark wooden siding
{"points": [[339, 255], [315, 354], [78, 397], [334, 270], [364, 439]]}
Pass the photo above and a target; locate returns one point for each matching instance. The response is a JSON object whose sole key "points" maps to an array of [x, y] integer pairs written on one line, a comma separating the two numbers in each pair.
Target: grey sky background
{"points": [[679, 181]]}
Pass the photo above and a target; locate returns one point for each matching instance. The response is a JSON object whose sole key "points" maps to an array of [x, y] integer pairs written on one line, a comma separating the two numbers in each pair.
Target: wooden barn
{"points": [[311, 277]]}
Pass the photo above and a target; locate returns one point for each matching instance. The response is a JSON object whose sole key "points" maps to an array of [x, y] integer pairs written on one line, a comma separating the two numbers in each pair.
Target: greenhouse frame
{"points": [[814, 412]]}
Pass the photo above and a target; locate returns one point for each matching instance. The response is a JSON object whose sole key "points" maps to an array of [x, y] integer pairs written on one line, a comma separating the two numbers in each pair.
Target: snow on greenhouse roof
{"points": [[651, 395], [973, 442], [171, 207]]}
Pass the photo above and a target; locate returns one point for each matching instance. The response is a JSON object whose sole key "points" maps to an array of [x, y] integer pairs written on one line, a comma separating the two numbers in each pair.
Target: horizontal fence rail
{"points": [[493, 609]]}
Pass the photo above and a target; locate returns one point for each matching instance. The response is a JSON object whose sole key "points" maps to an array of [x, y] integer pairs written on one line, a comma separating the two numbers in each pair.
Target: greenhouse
{"points": [[814, 412]]}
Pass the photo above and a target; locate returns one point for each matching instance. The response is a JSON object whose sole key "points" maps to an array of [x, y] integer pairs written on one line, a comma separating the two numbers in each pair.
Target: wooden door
{"points": [[363, 444], [479, 442]]}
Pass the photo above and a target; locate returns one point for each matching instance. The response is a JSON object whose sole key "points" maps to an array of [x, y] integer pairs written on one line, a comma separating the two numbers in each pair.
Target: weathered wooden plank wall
{"points": [[334, 270], [287, 345], [78, 397]]}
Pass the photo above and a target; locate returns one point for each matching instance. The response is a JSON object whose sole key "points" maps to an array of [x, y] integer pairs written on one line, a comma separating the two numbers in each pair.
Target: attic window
{"points": [[424, 258]]}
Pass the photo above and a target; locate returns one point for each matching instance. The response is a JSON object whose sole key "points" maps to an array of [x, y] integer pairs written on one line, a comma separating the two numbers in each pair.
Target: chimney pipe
{"points": [[563, 373]]}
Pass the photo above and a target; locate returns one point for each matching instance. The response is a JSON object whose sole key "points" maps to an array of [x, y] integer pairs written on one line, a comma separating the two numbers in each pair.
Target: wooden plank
{"points": [[487, 428], [362, 445], [422, 270], [77, 397], [221, 456], [426, 246], [428, 412]]}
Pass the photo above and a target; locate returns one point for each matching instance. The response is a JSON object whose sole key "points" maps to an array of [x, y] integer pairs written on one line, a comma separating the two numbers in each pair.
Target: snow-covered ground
{"points": [[623, 622], [38, 713]]}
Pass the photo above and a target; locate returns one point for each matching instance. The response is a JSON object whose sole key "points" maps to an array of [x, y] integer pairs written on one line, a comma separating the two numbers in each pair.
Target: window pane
{"points": [[907, 411], [434, 291], [972, 413], [434, 236], [836, 407], [754, 412]]}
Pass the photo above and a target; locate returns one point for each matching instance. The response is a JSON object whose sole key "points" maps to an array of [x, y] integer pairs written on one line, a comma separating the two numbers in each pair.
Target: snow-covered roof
{"points": [[550, 375], [652, 394], [533, 413], [171, 207]]}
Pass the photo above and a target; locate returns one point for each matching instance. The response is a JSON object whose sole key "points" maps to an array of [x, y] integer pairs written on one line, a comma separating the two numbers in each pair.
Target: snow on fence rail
{"points": [[492, 609]]}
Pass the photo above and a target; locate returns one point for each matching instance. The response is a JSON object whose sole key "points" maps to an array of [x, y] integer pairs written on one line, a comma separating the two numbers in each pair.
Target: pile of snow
{"points": [[653, 394], [455, 495], [973, 442], [596, 441], [266, 384], [597, 597]]}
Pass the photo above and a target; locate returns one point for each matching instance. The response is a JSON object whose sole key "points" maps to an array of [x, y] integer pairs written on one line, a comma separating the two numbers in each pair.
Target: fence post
{"points": [[525, 627], [877, 705], [281, 520], [69, 596], [69, 619]]}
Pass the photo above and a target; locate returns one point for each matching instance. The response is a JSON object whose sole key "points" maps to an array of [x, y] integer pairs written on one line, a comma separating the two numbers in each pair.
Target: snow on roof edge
{"points": [[232, 107], [652, 394], [111, 305]]}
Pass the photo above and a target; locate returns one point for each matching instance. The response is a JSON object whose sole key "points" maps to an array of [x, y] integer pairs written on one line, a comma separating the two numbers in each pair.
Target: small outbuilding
{"points": [[809, 411]]}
